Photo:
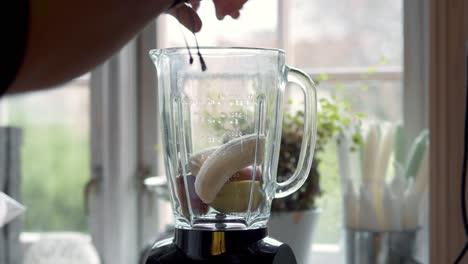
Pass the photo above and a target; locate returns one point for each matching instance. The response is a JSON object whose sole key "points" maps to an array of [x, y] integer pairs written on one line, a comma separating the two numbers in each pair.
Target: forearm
{"points": [[67, 38]]}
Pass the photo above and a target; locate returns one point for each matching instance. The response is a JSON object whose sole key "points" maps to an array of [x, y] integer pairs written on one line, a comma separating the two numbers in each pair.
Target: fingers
{"points": [[228, 7], [195, 4], [187, 17], [235, 14]]}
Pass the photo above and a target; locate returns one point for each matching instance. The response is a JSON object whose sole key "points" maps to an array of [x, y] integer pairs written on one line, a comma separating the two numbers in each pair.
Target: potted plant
{"points": [[298, 211]]}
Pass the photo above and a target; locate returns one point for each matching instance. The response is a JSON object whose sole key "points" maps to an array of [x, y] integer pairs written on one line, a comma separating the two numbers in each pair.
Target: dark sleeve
{"points": [[14, 22]]}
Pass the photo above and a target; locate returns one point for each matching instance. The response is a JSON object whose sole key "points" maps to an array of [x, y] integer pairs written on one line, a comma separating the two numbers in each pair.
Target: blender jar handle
{"points": [[308, 140]]}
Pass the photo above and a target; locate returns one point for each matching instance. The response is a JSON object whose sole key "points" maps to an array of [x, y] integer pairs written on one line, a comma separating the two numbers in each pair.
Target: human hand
{"points": [[228, 7], [187, 15]]}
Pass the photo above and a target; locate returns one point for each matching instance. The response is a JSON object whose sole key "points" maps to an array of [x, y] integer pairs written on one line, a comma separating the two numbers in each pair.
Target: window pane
{"points": [[55, 155], [354, 50], [365, 95], [345, 33], [248, 30]]}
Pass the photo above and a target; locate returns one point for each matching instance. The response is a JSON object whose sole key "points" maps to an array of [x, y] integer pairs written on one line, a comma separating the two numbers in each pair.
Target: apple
{"points": [[234, 197], [246, 175], [198, 206]]}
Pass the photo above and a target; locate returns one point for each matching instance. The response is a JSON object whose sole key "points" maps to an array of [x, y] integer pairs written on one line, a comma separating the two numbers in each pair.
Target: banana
{"points": [[197, 159], [224, 162]]}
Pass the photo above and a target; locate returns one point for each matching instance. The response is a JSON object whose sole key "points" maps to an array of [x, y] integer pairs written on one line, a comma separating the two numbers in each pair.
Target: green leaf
{"points": [[418, 149], [383, 60], [371, 70], [399, 145], [364, 87], [323, 77], [335, 116], [290, 101], [346, 105], [357, 139], [360, 115], [339, 86]]}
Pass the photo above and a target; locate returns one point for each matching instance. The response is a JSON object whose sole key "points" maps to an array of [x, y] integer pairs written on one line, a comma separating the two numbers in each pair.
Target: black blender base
{"points": [[220, 247]]}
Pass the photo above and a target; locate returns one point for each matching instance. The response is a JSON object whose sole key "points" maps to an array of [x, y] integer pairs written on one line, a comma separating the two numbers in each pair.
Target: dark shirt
{"points": [[14, 23]]}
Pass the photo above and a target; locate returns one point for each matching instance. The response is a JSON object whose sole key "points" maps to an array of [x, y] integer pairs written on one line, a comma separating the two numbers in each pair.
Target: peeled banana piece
{"points": [[225, 161], [197, 159]]}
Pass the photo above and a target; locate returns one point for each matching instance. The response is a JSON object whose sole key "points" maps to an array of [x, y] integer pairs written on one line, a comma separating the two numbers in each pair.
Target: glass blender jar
{"points": [[221, 131]]}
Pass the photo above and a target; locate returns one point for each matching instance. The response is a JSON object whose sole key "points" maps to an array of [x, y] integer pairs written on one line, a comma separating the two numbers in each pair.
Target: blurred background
{"points": [[353, 48]]}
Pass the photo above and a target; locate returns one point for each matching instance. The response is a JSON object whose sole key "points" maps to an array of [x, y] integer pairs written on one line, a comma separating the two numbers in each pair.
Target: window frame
{"points": [[113, 199], [447, 82]]}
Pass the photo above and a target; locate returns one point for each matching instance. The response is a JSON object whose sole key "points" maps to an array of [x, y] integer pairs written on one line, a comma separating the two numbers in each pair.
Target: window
{"points": [[55, 154], [354, 33]]}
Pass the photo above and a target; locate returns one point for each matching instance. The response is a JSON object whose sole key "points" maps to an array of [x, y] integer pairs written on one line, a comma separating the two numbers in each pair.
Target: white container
{"points": [[371, 247], [296, 229]]}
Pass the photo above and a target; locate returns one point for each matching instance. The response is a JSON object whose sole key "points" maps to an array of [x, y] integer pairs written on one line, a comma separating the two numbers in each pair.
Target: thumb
{"points": [[187, 17]]}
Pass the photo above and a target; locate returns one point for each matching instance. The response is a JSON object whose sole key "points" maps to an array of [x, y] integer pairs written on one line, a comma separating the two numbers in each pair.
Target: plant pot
{"points": [[296, 229]]}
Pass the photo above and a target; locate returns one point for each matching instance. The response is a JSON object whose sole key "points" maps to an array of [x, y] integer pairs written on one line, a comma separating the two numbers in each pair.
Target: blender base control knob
{"points": [[226, 247]]}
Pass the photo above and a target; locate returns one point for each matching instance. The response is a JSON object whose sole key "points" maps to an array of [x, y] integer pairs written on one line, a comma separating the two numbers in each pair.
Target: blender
{"points": [[221, 131]]}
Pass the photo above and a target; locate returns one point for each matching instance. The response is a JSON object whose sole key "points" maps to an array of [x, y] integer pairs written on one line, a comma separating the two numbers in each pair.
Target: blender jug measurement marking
{"points": [[223, 113]]}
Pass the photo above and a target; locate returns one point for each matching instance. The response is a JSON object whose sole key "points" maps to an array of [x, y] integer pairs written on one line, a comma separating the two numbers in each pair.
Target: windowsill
{"points": [[326, 248], [326, 253], [27, 239]]}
